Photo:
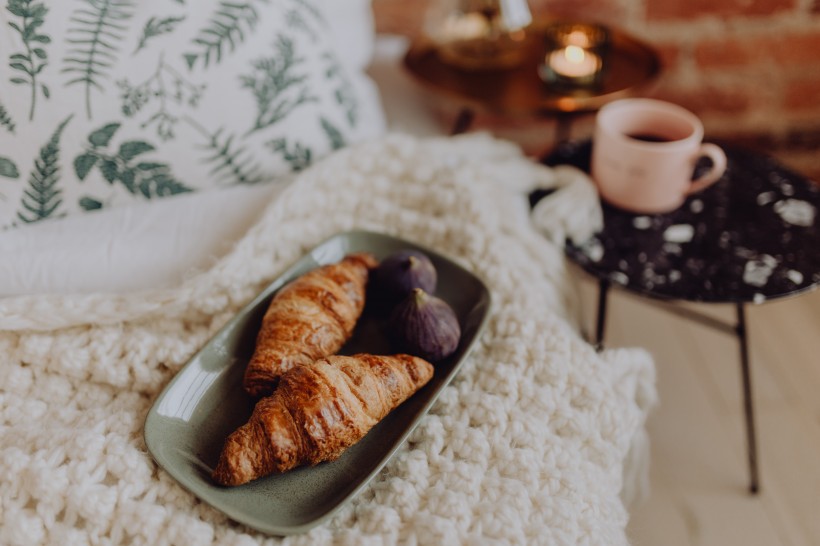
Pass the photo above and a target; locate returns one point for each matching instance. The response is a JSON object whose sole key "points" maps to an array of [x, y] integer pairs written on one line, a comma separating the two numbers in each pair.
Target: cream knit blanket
{"points": [[528, 445]]}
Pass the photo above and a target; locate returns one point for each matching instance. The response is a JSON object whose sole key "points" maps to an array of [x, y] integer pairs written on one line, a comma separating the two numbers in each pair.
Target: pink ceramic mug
{"points": [[644, 153]]}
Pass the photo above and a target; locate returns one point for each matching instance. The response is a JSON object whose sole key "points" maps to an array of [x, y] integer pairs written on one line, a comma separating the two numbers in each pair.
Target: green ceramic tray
{"points": [[187, 425]]}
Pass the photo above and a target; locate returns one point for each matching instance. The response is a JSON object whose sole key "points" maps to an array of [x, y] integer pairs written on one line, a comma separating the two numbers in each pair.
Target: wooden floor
{"points": [[699, 471]]}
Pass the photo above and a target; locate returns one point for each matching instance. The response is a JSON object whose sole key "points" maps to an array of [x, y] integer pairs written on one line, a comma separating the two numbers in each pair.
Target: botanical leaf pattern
{"points": [[297, 21], [156, 26], [297, 156], [226, 29], [311, 9], [5, 119], [29, 63], [305, 17], [337, 140], [89, 203], [93, 37], [43, 196], [232, 160], [283, 100], [229, 161], [7, 168], [149, 179], [277, 89], [344, 92], [166, 86]]}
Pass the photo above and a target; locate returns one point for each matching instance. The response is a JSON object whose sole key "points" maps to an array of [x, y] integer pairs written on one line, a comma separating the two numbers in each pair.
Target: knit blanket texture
{"points": [[534, 442]]}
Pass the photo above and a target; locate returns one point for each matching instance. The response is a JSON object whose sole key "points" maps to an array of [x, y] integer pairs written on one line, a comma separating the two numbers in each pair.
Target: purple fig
{"points": [[401, 272], [424, 325]]}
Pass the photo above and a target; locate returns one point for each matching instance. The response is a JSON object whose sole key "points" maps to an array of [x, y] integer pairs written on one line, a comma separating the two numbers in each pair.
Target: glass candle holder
{"points": [[479, 34], [575, 55]]}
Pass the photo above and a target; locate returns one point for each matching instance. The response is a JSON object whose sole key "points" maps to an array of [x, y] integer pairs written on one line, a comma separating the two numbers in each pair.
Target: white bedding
{"points": [[156, 240], [159, 244], [531, 443]]}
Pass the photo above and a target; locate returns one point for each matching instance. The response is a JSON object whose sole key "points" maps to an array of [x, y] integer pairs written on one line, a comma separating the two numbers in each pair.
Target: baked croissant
{"points": [[317, 412], [311, 317]]}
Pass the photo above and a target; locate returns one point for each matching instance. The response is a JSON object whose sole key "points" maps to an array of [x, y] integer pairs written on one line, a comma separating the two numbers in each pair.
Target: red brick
{"points": [[776, 47], [611, 12], [803, 94], [792, 49], [723, 53], [693, 9], [708, 98], [670, 55]]}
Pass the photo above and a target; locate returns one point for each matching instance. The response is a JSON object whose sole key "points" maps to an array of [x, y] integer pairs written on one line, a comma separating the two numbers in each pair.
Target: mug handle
{"points": [[718, 157]]}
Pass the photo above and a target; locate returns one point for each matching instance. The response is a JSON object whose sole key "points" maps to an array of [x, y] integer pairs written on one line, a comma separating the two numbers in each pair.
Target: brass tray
{"points": [[632, 66]]}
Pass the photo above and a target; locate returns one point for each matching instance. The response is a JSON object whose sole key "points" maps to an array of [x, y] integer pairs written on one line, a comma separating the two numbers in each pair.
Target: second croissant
{"points": [[310, 318], [317, 412]]}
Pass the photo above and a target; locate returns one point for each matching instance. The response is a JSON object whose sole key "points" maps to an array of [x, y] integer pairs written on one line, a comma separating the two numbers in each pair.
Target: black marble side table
{"points": [[752, 237]]}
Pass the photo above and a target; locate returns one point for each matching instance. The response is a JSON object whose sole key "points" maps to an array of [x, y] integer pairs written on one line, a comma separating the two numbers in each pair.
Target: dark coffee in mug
{"points": [[644, 152], [649, 137]]}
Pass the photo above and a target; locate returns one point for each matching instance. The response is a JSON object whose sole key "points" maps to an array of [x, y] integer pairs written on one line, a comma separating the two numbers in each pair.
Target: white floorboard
{"points": [[699, 471]]}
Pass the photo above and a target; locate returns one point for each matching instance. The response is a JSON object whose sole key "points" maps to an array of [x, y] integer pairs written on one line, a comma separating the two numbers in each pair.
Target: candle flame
{"points": [[574, 54], [578, 38]]}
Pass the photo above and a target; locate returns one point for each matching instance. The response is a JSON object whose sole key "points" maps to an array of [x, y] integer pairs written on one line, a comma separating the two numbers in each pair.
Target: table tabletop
{"points": [[751, 237]]}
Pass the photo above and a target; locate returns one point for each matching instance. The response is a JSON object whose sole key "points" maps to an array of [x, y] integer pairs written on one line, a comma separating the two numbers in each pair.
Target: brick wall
{"points": [[749, 68]]}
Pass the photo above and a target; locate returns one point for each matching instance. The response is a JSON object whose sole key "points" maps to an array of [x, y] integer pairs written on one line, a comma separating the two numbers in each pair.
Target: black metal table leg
{"points": [[739, 329], [603, 292], [751, 441]]}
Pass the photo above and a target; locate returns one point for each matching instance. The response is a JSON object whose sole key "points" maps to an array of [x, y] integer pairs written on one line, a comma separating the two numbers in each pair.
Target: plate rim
{"points": [[274, 285]]}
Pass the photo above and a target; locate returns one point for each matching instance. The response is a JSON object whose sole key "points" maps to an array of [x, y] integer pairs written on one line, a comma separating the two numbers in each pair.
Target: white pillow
{"points": [[111, 102]]}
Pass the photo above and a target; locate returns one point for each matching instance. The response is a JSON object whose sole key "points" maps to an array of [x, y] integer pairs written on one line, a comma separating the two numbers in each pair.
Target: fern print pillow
{"points": [[108, 102]]}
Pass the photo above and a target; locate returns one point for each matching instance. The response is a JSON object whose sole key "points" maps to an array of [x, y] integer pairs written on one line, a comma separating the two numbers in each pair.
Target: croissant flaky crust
{"points": [[309, 318], [317, 412]]}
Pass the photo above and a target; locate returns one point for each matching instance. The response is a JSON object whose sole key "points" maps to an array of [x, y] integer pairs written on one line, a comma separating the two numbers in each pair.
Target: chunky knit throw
{"points": [[534, 442]]}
